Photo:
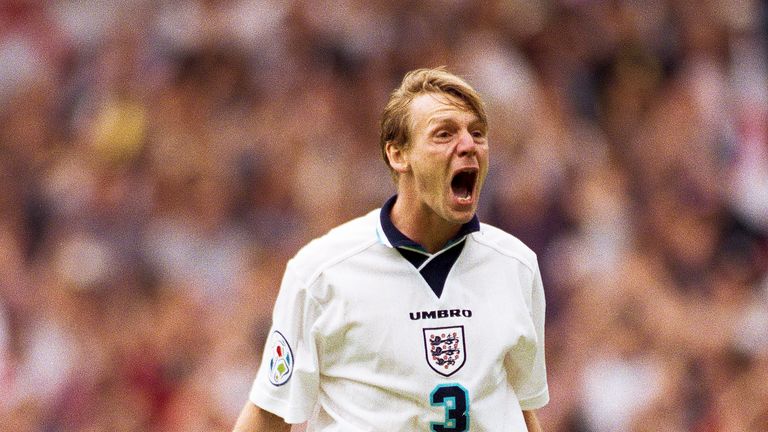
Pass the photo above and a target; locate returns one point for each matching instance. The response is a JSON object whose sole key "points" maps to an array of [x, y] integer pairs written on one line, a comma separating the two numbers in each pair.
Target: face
{"points": [[444, 167]]}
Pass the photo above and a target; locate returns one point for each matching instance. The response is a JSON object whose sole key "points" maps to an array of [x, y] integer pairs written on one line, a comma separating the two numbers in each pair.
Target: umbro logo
{"points": [[441, 313]]}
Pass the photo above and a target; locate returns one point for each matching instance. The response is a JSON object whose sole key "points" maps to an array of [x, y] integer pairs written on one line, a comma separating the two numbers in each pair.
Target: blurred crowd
{"points": [[161, 160]]}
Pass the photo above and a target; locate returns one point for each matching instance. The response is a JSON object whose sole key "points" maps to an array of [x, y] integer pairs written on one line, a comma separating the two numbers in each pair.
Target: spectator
{"points": [[159, 161]]}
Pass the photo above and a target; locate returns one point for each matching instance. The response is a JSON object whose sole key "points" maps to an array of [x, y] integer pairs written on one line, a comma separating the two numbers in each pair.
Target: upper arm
{"points": [[532, 388], [287, 381], [254, 419], [531, 421]]}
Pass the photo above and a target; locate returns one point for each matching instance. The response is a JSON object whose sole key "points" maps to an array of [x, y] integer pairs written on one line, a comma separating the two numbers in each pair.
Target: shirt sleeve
{"points": [[531, 387], [288, 377]]}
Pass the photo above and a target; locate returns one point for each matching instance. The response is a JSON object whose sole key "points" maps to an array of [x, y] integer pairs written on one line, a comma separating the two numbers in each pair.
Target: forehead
{"points": [[430, 107]]}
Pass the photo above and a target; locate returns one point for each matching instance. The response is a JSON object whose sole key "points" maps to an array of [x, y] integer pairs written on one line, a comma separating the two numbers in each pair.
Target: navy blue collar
{"points": [[399, 240]]}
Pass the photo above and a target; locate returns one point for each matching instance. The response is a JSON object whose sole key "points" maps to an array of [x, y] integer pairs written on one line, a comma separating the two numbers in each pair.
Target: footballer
{"points": [[416, 316]]}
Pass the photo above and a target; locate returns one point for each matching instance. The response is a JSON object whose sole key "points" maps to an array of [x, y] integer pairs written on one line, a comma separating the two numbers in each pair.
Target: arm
{"points": [[255, 419], [532, 422]]}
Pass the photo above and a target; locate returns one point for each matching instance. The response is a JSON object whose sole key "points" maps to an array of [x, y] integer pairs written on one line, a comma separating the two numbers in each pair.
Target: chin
{"points": [[460, 217], [460, 213]]}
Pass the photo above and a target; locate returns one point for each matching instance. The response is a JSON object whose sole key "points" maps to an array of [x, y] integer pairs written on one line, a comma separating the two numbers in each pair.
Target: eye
{"points": [[443, 134], [478, 134]]}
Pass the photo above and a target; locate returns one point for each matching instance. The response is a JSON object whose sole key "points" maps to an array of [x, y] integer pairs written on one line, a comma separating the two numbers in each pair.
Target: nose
{"points": [[466, 145]]}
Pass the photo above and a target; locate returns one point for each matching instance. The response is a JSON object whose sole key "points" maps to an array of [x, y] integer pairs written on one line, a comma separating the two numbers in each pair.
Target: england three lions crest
{"points": [[445, 349]]}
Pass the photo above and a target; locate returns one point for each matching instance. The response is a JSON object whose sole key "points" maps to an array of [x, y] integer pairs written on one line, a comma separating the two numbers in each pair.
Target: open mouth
{"points": [[463, 184]]}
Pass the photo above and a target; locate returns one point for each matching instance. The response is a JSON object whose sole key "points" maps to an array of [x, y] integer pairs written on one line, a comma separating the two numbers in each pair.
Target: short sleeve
{"points": [[288, 377], [532, 389]]}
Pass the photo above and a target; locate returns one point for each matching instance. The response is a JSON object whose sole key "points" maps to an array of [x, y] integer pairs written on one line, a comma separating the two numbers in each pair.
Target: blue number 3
{"points": [[455, 399]]}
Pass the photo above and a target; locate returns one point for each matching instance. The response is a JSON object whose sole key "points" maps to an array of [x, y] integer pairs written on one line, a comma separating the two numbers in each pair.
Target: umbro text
{"points": [[441, 313]]}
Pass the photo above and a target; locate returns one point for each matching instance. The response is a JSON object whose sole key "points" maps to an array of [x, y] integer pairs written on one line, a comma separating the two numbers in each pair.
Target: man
{"points": [[415, 317]]}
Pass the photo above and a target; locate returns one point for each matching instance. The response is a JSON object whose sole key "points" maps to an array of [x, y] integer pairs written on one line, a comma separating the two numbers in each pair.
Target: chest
{"points": [[382, 315]]}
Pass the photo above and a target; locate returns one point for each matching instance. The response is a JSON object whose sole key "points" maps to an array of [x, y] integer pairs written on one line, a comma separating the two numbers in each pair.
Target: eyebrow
{"points": [[442, 119]]}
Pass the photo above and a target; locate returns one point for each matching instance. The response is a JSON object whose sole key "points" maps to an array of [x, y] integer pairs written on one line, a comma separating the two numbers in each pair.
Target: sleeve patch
{"points": [[281, 359]]}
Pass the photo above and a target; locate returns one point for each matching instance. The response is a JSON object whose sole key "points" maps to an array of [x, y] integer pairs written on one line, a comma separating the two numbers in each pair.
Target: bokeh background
{"points": [[161, 160]]}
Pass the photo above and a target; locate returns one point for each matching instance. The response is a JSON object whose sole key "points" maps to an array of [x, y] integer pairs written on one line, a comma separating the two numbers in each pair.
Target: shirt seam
{"points": [[503, 252], [272, 404], [315, 276], [536, 401]]}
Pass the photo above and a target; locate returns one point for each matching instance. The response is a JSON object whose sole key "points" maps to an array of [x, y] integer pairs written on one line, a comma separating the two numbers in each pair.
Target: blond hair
{"points": [[395, 119]]}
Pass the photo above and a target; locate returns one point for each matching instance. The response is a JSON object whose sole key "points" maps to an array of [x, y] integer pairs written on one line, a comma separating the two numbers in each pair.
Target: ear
{"points": [[397, 157]]}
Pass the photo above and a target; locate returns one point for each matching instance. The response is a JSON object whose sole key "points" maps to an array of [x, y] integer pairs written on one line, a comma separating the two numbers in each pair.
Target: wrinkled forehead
{"points": [[434, 104]]}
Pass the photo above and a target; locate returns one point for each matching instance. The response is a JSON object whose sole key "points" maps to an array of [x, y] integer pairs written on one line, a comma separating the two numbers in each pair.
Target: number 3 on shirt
{"points": [[455, 399]]}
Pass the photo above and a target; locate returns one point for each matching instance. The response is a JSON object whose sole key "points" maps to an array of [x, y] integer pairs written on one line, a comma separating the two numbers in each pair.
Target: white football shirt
{"points": [[361, 341]]}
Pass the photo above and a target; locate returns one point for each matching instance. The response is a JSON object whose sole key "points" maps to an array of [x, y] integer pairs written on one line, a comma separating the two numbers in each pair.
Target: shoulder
{"points": [[336, 245], [505, 244]]}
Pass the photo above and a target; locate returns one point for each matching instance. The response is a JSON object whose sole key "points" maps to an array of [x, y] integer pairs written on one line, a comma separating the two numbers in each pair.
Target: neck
{"points": [[422, 225]]}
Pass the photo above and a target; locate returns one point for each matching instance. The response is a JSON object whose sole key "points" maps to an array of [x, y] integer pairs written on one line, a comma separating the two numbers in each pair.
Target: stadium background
{"points": [[160, 161]]}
